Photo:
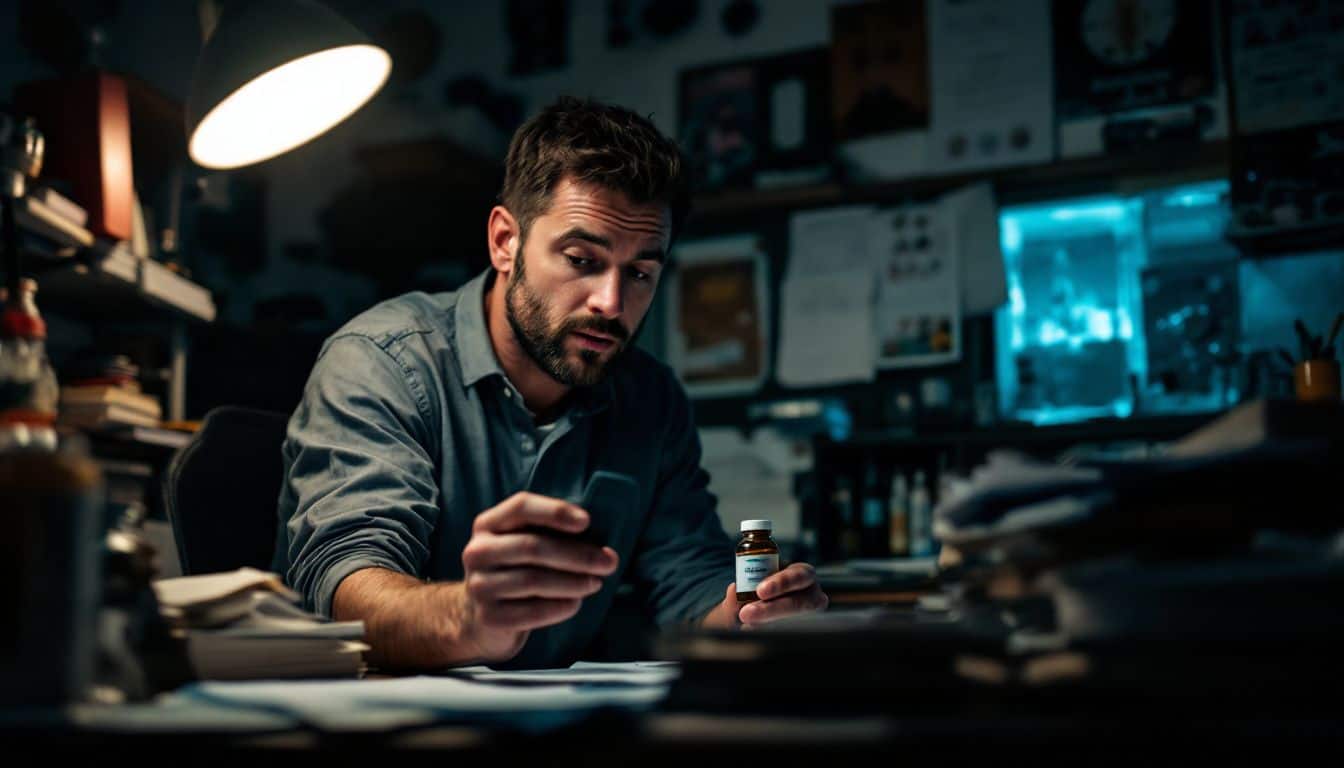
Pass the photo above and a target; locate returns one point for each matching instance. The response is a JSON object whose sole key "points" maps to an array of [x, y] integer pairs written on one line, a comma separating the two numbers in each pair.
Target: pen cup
{"points": [[1316, 380]]}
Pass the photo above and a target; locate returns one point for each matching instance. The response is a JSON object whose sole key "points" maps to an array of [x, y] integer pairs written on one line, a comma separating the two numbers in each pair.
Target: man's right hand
{"points": [[517, 580]]}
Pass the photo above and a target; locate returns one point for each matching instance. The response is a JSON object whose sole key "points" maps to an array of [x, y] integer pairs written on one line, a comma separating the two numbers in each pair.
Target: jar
{"points": [[757, 558]]}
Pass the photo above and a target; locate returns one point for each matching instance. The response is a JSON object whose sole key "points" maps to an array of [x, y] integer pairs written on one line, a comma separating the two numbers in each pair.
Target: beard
{"points": [[527, 312]]}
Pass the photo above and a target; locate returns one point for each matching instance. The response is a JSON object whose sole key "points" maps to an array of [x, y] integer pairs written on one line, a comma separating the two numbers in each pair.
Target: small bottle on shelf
{"points": [[921, 518], [898, 515], [846, 521], [873, 538], [29, 392]]}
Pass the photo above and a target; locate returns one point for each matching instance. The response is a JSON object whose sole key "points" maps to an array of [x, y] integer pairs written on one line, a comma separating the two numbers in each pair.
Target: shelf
{"points": [[139, 442], [1287, 240], [113, 284], [1017, 184], [1099, 430]]}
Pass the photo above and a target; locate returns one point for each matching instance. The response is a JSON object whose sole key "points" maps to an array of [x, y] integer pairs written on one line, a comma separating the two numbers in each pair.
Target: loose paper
{"points": [[826, 330], [830, 240], [972, 216], [919, 290]]}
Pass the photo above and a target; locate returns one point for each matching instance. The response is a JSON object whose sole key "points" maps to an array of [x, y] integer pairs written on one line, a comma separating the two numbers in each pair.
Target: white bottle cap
{"points": [[757, 525]]}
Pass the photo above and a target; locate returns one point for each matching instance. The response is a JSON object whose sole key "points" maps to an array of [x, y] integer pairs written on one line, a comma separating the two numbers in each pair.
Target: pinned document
{"points": [[826, 330]]}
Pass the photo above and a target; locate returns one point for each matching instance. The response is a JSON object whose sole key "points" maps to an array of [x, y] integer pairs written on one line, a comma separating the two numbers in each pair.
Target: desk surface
{"points": [[796, 701]]}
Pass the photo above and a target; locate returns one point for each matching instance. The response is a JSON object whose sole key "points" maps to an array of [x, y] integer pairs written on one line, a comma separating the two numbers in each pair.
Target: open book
{"points": [[247, 625]]}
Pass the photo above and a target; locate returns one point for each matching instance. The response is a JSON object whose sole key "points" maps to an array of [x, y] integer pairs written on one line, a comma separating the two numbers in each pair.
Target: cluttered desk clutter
{"points": [[842, 379]]}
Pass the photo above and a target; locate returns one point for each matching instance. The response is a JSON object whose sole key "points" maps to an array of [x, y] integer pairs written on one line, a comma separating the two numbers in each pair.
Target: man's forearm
{"points": [[410, 624]]}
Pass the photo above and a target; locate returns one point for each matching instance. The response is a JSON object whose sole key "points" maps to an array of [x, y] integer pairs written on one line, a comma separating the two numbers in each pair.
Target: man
{"points": [[439, 436]]}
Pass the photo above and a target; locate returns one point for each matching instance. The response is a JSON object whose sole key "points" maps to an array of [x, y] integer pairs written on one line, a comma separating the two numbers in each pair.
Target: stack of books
{"points": [[1213, 566], [55, 219], [108, 406], [246, 625], [102, 393]]}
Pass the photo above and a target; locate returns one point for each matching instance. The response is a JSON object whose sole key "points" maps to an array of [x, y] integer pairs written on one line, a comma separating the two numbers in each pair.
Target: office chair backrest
{"points": [[221, 489]]}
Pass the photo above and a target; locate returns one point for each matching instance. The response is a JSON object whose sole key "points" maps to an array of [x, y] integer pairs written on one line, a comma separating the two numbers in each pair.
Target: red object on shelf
{"points": [[16, 324], [87, 124]]}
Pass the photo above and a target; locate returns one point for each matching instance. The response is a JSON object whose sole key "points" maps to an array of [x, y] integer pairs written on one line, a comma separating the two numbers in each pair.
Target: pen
{"points": [[1303, 338], [1334, 331]]}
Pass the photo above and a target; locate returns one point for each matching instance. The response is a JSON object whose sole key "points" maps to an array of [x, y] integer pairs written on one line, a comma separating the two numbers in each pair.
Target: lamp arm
{"points": [[207, 12]]}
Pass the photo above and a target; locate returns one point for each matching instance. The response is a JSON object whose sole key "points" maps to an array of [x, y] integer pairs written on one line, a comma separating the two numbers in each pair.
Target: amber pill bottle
{"points": [[757, 558]]}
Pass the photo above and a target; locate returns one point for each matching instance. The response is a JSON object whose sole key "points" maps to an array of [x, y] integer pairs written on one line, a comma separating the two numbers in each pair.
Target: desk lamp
{"points": [[272, 75]]}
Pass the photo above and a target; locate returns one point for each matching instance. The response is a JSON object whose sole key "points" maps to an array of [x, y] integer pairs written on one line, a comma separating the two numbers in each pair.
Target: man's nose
{"points": [[605, 299]]}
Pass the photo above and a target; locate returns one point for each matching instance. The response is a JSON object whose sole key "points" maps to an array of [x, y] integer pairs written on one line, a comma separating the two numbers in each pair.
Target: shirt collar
{"points": [[476, 355]]}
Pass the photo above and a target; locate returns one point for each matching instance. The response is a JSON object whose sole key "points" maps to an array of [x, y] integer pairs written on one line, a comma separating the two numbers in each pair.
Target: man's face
{"points": [[592, 265]]}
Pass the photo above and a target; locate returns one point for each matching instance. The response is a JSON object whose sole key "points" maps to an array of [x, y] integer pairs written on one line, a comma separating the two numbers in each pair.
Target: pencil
{"points": [[1334, 330]]}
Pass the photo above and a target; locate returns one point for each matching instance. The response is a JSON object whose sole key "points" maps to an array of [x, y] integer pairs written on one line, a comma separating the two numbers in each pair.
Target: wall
{"points": [[158, 40], [643, 78]]}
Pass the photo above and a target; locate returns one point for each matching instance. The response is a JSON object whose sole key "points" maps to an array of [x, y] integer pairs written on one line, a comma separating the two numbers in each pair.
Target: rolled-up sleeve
{"points": [[359, 478], [685, 560]]}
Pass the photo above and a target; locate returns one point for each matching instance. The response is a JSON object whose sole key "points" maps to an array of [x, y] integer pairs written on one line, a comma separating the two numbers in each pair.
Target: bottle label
{"points": [[753, 569]]}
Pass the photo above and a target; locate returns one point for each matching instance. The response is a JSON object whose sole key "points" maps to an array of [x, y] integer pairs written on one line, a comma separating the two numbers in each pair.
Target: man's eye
{"points": [[579, 262], [640, 276]]}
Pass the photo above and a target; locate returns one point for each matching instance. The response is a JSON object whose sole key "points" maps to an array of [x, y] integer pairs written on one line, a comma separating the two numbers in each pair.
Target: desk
{"points": [[775, 706]]}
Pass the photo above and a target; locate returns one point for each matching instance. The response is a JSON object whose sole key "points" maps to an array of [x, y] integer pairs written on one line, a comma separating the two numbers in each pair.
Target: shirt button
{"points": [[527, 444], [508, 393]]}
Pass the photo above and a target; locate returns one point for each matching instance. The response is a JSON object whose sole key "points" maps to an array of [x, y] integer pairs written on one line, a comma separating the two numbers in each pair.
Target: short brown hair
{"points": [[598, 144]]}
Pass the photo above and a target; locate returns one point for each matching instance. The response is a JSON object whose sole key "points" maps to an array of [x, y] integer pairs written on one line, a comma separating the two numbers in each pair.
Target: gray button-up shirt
{"points": [[408, 429]]}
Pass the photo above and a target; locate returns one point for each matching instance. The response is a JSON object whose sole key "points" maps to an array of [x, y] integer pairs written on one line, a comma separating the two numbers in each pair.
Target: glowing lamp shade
{"points": [[275, 74]]}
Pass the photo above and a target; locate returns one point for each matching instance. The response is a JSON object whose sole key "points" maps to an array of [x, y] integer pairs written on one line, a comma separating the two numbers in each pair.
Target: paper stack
{"points": [[246, 625], [108, 406]]}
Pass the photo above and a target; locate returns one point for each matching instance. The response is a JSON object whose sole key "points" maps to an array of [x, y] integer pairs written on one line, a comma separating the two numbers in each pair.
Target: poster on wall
{"points": [[1284, 60], [918, 314], [879, 69], [718, 300], [990, 67]]}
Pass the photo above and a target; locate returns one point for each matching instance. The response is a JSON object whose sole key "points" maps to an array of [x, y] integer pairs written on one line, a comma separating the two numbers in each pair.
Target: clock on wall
{"points": [[1119, 55]]}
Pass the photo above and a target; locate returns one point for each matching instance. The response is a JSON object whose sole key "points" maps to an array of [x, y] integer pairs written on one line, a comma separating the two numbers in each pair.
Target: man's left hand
{"points": [[792, 591]]}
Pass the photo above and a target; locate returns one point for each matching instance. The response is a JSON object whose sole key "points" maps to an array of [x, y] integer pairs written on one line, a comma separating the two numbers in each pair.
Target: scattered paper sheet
{"points": [[186, 591], [826, 331], [918, 310], [972, 218], [372, 705], [582, 672], [753, 477]]}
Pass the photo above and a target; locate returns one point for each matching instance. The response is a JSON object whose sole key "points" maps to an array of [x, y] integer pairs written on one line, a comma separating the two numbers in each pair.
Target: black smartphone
{"points": [[608, 497]]}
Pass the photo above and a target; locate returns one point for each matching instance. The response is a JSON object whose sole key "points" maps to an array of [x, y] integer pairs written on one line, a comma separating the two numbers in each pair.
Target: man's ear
{"points": [[502, 235]]}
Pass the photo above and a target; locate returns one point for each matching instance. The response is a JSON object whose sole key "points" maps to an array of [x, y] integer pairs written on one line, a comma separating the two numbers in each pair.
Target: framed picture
{"points": [[719, 316], [1119, 55], [717, 126], [758, 123]]}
